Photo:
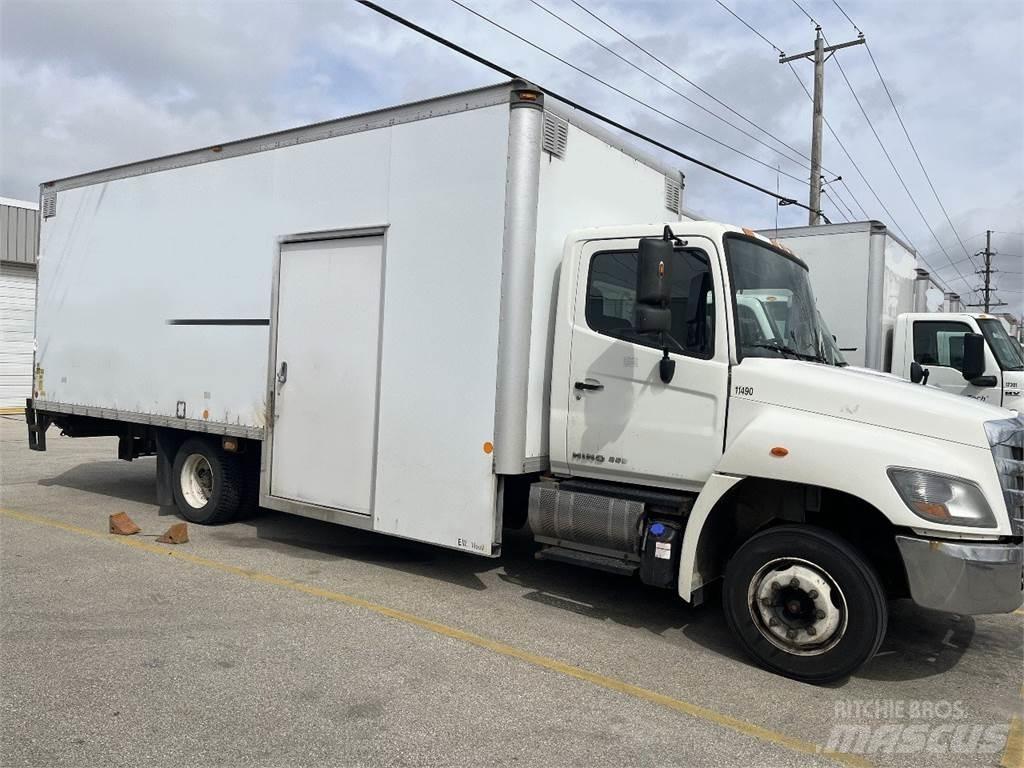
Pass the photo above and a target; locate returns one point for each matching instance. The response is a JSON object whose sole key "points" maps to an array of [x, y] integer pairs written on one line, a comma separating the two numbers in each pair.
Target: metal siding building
{"points": [[19, 238]]}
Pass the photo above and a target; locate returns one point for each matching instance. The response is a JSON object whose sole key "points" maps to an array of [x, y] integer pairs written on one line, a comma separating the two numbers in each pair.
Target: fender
{"points": [[835, 453]]}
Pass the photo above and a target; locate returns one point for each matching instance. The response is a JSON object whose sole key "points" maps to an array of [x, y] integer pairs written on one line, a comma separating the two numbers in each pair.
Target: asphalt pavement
{"points": [[283, 641]]}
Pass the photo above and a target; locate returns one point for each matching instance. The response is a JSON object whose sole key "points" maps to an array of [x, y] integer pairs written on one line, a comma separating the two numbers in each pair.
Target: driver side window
{"points": [[940, 343], [611, 299]]}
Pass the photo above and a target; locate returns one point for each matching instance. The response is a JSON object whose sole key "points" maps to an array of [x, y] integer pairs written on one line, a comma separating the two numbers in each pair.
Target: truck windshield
{"points": [[775, 311], [1007, 354]]}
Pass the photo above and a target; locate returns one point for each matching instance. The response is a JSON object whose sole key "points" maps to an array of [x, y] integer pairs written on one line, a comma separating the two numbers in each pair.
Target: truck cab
{"points": [[968, 354], [693, 441]]}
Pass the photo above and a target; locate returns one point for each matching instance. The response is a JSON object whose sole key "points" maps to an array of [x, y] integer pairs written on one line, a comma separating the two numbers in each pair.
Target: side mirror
{"points": [[653, 293], [648, 319], [974, 356], [654, 272], [918, 373]]}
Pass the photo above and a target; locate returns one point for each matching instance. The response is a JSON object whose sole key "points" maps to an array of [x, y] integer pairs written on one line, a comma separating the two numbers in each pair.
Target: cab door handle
{"points": [[590, 385]]}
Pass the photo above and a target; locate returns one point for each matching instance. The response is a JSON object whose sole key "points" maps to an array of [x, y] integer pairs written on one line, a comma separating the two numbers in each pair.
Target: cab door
{"points": [[623, 422], [939, 348]]}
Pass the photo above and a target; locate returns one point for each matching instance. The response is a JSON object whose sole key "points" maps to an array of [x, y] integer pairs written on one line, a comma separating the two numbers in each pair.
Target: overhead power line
{"points": [[837, 5], [749, 26], [661, 82], [575, 104], [906, 132], [856, 167], [745, 24], [685, 79], [805, 13], [888, 157], [619, 91]]}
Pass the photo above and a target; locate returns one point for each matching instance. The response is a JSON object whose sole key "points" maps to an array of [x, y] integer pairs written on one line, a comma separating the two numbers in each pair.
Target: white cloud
{"points": [[89, 84]]}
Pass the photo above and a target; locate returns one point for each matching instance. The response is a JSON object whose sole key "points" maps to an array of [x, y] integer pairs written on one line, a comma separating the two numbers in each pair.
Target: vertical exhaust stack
{"points": [[921, 284], [951, 302]]}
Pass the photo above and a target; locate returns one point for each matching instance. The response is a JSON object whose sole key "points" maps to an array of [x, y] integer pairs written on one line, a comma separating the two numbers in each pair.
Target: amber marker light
{"points": [[778, 451], [488, 447]]}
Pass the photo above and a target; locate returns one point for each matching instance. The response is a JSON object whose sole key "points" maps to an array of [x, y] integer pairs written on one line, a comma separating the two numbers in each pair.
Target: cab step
{"points": [[589, 560]]}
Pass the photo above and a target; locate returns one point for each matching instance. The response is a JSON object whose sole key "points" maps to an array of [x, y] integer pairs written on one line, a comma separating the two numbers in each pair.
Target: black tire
{"points": [[780, 564], [219, 480]]}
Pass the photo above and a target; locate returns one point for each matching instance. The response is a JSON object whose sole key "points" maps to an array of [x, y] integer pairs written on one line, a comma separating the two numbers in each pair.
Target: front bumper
{"points": [[964, 577]]}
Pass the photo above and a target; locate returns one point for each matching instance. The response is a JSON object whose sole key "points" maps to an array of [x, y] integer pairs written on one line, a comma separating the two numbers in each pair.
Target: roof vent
{"points": [[49, 206], [556, 135], [673, 195]]}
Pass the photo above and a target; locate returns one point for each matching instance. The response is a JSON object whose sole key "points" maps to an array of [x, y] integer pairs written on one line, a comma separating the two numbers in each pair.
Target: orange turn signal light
{"points": [[778, 451], [488, 447]]}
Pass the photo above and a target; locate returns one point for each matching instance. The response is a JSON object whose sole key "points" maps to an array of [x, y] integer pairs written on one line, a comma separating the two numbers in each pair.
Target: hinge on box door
{"points": [[556, 135]]}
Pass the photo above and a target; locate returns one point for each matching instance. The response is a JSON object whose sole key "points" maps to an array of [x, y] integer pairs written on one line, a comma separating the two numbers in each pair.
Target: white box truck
{"points": [[872, 294], [435, 320]]}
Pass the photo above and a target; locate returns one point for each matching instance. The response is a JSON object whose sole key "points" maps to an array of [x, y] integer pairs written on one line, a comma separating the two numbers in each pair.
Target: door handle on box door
{"points": [[590, 385], [282, 373]]}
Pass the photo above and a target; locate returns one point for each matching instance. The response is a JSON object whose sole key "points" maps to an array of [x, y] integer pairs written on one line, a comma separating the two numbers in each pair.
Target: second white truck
{"points": [[873, 295], [445, 318]]}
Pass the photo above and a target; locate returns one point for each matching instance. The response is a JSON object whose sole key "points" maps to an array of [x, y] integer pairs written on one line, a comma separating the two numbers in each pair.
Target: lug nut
{"points": [[766, 602], [811, 631], [791, 634], [794, 582], [773, 622], [775, 586], [819, 614], [813, 594]]}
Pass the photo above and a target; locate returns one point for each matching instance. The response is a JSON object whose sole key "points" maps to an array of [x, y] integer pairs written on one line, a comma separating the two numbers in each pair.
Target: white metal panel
{"points": [[595, 184], [440, 334], [900, 272], [122, 259], [838, 264], [327, 345], [17, 308]]}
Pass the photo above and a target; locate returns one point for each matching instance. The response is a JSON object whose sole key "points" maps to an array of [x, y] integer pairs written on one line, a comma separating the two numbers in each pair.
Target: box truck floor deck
{"points": [[481, 310]]}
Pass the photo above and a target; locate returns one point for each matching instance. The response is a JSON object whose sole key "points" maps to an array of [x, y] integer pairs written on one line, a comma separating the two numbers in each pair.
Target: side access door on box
{"points": [[320, 453]]}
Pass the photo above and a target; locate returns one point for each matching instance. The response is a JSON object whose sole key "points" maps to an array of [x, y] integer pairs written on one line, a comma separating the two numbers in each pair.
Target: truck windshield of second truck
{"points": [[775, 311], [1007, 354]]}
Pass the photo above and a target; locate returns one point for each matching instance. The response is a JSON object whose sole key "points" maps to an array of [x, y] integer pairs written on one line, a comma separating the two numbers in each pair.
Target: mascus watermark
{"points": [[897, 726]]}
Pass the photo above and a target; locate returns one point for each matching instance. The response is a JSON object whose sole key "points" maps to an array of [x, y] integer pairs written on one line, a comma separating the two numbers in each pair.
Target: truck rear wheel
{"points": [[207, 483], [804, 603]]}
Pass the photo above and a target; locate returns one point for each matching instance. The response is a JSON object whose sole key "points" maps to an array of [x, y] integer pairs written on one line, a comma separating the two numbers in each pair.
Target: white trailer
{"points": [[440, 319], [873, 295]]}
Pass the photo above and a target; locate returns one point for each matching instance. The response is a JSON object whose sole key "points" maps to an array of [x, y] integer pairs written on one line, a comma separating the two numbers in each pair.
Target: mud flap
{"points": [[38, 423], [167, 443]]}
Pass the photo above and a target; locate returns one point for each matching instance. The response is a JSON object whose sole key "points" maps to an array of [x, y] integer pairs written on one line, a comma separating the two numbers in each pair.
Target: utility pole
{"points": [[819, 58], [986, 290]]}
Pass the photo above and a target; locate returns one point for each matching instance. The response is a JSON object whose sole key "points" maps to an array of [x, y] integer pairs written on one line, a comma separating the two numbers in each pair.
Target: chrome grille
{"points": [[1007, 441]]}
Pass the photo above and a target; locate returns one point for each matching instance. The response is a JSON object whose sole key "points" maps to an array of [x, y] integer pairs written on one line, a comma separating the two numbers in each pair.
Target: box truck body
{"points": [[367, 255], [863, 278], [436, 320], [872, 294]]}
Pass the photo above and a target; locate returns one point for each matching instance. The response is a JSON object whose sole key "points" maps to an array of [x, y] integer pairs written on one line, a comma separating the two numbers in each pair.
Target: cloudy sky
{"points": [[88, 84]]}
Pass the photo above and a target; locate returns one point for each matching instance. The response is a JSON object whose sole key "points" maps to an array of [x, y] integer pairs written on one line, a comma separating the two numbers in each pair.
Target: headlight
{"points": [[942, 498]]}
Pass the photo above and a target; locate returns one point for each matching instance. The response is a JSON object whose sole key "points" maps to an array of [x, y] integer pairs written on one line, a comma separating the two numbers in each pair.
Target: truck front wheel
{"points": [[804, 603], [207, 483]]}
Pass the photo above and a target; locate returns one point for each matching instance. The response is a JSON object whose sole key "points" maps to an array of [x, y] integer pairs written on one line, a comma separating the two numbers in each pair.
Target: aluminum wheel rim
{"points": [[797, 606], [196, 481]]}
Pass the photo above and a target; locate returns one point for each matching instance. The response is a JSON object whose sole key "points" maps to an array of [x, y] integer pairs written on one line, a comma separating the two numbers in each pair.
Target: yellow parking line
{"points": [[1013, 752], [544, 662]]}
